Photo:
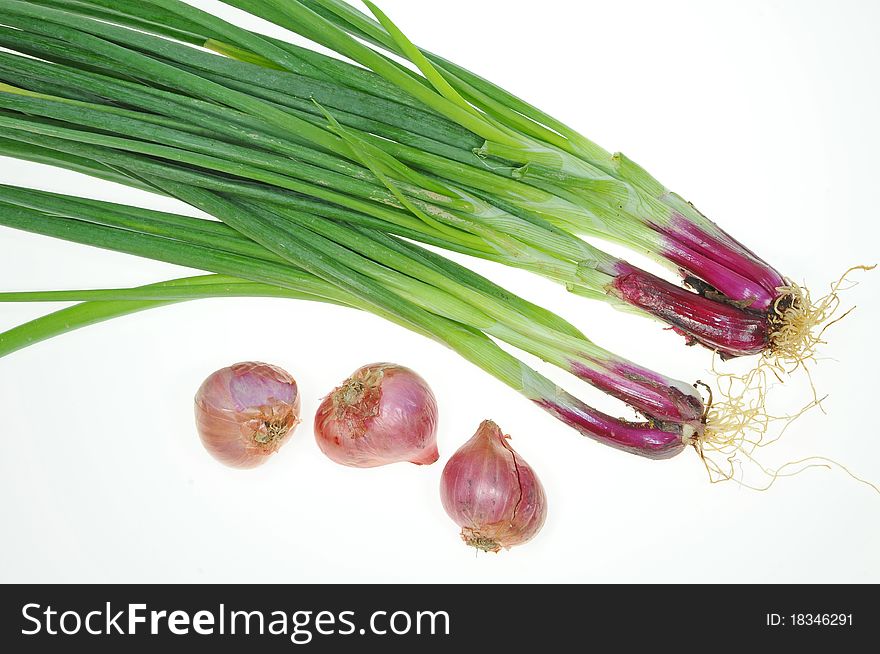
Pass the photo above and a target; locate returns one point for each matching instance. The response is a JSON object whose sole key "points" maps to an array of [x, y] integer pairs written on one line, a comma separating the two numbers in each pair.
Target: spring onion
{"points": [[586, 270], [540, 150]]}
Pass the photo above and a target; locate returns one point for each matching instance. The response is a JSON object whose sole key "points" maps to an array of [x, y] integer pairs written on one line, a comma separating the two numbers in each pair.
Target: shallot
{"points": [[491, 493], [246, 412], [383, 413]]}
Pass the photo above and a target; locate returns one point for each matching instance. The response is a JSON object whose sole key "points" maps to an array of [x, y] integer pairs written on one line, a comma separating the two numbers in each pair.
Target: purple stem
{"points": [[729, 253], [722, 327], [649, 393], [644, 439], [730, 283]]}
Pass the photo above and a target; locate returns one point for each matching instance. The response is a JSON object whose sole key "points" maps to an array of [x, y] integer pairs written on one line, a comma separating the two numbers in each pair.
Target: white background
{"points": [[762, 113]]}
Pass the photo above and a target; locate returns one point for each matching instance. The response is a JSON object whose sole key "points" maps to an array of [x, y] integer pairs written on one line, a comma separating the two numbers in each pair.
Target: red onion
{"points": [[491, 493], [383, 413], [246, 412]]}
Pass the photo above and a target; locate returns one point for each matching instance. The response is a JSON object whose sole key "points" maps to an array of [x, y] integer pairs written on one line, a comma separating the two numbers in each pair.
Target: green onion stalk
{"points": [[606, 194], [713, 261], [488, 215]]}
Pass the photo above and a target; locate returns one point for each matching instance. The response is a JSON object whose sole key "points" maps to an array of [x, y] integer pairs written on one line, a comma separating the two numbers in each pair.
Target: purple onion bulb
{"points": [[491, 493], [246, 412], [383, 413]]}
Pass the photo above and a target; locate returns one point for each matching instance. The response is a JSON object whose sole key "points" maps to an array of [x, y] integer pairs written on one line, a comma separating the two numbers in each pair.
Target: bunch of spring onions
{"points": [[325, 173], [441, 157]]}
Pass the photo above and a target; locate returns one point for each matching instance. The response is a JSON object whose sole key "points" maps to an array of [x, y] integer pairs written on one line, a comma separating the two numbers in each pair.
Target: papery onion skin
{"points": [[246, 412], [384, 413], [492, 493]]}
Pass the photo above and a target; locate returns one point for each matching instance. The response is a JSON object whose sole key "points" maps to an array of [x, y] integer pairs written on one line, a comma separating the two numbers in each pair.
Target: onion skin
{"points": [[491, 493], [246, 412], [383, 413]]}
